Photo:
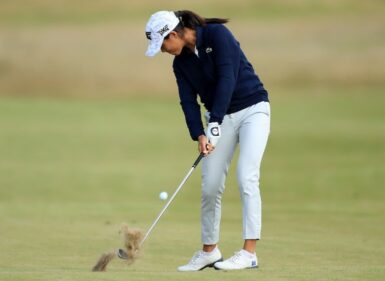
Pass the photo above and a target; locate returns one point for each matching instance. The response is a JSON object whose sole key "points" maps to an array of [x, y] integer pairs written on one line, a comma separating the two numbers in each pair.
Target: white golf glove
{"points": [[213, 133]]}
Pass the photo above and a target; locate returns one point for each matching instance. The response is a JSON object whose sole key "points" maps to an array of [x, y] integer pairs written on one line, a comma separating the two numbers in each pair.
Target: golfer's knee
{"points": [[211, 190], [248, 181]]}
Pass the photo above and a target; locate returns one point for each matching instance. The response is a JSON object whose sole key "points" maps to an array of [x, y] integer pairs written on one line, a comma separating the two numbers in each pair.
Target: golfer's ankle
{"points": [[250, 245], [209, 248]]}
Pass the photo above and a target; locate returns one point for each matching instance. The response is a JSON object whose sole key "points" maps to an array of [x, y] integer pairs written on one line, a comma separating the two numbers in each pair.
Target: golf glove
{"points": [[213, 133]]}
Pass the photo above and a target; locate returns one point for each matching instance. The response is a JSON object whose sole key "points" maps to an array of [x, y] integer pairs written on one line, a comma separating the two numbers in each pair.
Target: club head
{"points": [[122, 254]]}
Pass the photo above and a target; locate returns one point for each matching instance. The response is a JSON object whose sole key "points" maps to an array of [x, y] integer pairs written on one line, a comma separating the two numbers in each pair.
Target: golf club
{"points": [[120, 252]]}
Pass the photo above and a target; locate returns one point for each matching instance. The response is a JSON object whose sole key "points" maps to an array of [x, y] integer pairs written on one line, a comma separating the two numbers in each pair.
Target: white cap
{"points": [[159, 26]]}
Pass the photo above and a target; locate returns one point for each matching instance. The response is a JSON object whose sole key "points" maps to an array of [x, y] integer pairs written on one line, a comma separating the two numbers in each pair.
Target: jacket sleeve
{"points": [[227, 54], [191, 108]]}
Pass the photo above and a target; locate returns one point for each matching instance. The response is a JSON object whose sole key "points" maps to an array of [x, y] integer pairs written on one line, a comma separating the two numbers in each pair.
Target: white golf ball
{"points": [[163, 195]]}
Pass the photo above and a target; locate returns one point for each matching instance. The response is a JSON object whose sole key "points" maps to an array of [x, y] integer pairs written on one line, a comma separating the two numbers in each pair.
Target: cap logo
{"points": [[148, 35], [163, 30]]}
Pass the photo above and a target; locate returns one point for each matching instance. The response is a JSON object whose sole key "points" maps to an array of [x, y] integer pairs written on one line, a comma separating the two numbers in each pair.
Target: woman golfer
{"points": [[209, 63]]}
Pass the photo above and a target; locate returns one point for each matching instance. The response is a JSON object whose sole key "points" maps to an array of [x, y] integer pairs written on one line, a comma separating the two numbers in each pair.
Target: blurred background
{"points": [[95, 48], [91, 132]]}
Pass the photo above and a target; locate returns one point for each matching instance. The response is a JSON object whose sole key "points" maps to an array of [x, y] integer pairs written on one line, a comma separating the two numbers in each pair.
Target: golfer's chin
{"points": [[175, 52]]}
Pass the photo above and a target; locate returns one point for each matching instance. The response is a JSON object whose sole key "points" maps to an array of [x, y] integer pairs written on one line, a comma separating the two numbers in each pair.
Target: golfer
{"points": [[210, 64]]}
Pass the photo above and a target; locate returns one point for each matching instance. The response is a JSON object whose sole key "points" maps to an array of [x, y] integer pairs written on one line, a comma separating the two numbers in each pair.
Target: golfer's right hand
{"points": [[204, 146]]}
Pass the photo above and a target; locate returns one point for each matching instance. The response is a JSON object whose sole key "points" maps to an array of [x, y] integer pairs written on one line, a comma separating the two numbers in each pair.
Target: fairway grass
{"points": [[71, 171]]}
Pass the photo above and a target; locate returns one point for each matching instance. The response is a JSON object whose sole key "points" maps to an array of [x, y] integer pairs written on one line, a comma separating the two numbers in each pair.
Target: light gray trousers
{"points": [[250, 129]]}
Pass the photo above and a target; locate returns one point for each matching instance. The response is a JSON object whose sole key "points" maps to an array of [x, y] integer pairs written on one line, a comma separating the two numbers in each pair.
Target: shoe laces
{"points": [[196, 256], [235, 257]]}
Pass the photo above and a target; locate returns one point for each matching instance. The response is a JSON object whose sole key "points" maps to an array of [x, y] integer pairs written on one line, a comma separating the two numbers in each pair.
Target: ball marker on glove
{"points": [[213, 133]]}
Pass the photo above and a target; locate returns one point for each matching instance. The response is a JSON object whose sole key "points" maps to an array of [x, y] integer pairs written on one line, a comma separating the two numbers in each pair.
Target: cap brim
{"points": [[154, 47]]}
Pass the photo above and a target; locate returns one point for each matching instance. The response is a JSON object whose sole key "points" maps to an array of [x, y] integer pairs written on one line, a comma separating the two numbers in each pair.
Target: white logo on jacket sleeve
{"points": [[208, 50]]}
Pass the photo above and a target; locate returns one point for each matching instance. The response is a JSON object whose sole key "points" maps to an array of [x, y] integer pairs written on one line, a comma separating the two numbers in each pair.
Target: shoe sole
{"points": [[254, 267], [211, 264]]}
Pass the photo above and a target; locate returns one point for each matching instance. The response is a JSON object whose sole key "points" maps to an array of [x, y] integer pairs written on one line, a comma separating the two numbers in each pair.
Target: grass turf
{"points": [[71, 171]]}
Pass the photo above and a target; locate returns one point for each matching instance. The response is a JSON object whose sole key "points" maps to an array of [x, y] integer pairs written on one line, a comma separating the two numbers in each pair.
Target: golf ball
{"points": [[163, 195]]}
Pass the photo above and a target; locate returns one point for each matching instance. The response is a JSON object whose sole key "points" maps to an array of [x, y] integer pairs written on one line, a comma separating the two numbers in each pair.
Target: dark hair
{"points": [[192, 20]]}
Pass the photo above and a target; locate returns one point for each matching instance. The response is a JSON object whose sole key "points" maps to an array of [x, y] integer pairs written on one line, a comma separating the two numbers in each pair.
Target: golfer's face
{"points": [[172, 44]]}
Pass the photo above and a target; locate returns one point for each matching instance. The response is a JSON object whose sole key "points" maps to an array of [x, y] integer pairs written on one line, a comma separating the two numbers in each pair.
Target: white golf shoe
{"points": [[201, 260], [241, 260]]}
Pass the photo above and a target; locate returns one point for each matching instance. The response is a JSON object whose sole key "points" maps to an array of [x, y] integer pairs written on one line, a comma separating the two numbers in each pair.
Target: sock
{"points": [[212, 252], [248, 254]]}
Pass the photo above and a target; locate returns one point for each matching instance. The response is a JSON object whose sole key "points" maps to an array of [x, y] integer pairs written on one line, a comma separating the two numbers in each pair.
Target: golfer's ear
{"points": [[173, 34]]}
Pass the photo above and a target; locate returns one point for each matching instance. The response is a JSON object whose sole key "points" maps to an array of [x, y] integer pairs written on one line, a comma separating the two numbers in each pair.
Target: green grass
{"points": [[71, 171]]}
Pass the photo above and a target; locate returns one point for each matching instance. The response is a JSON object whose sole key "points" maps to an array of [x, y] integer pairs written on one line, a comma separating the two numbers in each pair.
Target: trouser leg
{"points": [[214, 171], [253, 135]]}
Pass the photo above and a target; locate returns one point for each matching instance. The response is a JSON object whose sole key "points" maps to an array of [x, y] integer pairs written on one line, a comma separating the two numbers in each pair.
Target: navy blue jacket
{"points": [[221, 75]]}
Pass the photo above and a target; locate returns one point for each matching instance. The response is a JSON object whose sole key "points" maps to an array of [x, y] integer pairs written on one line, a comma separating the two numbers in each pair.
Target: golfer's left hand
{"points": [[213, 133]]}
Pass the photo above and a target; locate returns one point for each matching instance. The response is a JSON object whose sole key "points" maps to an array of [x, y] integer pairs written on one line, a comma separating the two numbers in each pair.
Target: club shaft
{"points": [[172, 198]]}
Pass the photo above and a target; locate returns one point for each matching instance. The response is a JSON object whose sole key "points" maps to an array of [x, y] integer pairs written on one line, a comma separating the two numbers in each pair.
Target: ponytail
{"points": [[192, 20]]}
